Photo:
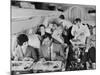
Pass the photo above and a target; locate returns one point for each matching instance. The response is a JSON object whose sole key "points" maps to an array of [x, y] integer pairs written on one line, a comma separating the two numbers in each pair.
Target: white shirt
{"points": [[34, 41], [80, 33]]}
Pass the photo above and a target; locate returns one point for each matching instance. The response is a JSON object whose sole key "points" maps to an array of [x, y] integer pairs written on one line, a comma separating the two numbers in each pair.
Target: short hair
{"points": [[77, 20], [62, 17], [21, 39], [42, 26]]}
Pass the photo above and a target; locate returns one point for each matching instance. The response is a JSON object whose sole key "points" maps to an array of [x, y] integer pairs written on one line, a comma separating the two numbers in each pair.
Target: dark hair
{"points": [[21, 39], [42, 26], [77, 20], [62, 17], [38, 29]]}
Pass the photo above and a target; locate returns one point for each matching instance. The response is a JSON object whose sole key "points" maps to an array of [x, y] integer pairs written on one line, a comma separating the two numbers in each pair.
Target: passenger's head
{"points": [[61, 17], [22, 40], [42, 28], [77, 21]]}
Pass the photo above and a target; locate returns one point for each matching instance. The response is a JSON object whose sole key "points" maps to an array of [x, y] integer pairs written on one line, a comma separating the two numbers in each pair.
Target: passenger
{"points": [[45, 49], [25, 51], [42, 33], [80, 32]]}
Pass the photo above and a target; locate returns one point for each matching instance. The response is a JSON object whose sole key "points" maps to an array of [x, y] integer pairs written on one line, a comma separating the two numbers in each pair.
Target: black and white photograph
{"points": [[52, 37]]}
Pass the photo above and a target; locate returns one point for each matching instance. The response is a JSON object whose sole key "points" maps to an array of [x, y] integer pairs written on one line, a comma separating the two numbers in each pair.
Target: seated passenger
{"points": [[42, 33], [24, 51], [45, 48]]}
